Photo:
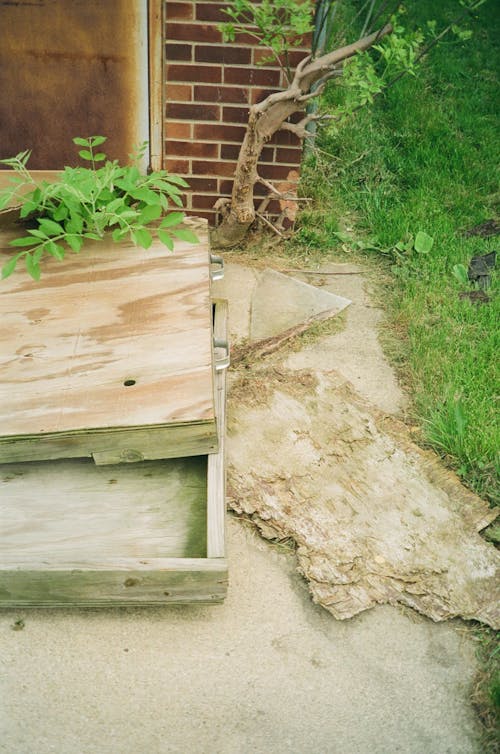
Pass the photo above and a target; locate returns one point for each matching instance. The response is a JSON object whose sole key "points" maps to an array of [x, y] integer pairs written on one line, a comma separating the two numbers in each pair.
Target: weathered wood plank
{"points": [[132, 582], [72, 511], [216, 499], [116, 338]]}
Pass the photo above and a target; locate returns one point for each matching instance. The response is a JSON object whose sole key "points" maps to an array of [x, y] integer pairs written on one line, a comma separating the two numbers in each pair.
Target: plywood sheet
{"points": [[109, 349]]}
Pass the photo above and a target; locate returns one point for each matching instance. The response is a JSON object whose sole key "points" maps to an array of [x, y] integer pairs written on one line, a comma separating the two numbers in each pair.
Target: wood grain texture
{"points": [[115, 339], [131, 582], [71, 511]]}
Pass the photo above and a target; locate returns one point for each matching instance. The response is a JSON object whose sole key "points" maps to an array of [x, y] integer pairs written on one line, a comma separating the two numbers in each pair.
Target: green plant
{"points": [[88, 202], [275, 24]]}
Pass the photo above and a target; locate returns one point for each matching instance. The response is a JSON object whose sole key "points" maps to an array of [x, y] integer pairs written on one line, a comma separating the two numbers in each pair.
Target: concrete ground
{"points": [[267, 672]]}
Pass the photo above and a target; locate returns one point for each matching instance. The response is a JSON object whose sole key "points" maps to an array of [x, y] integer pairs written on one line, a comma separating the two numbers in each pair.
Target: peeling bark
{"points": [[268, 117]]}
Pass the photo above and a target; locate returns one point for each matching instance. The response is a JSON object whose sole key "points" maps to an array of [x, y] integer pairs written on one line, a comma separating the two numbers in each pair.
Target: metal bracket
{"points": [[221, 362], [217, 268]]}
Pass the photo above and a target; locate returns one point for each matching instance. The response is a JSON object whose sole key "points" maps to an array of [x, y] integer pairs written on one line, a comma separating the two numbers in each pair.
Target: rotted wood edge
{"points": [[157, 581], [117, 445]]}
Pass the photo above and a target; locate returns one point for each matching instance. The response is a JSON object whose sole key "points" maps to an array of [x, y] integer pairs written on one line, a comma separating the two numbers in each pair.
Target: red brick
{"points": [[290, 155], [210, 216], [192, 111], [274, 172], [226, 54], [226, 188], [178, 52], [257, 95], [209, 74], [213, 168], [193, 32], [287, 138], [179, 93], [231, 152], [252, 76], [191, 149], [203, 184], [211, 12], [179, 10], [204, 201], [264, 57], [177, 166], [233, 94], [235, 114], [178, 130], [218, 132]]}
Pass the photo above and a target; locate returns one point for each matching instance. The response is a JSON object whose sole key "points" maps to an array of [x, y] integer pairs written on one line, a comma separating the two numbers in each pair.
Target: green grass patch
{"points": [[423, 160]]}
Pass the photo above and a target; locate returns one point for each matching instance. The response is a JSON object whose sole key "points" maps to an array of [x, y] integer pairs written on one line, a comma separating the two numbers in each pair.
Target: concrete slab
{"points": [[265, 673], [355, 351], [266, 302], [280, 302]]}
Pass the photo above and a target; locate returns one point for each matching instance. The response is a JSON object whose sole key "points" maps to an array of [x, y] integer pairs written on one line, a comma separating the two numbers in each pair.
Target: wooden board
{"points": [[109, 354], [75, 534]]}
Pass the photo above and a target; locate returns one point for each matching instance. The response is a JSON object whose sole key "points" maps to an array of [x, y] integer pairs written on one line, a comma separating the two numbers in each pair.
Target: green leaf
{"points": [[92, 236], [142, 237], [55, 249], [423, 242], [38, 233], [85, 154], [99, 157], [74, 224], [177, 200], [145, 195], [166, 239], [119, 234], [81, 142], [174, 218], [60, 213], [25, 241], [27, 209], [460, 272], [96, 141], [150, 213], [186, 235], [74, 242], [9, 267], [115, 204], [50, 227], [33, 267]]}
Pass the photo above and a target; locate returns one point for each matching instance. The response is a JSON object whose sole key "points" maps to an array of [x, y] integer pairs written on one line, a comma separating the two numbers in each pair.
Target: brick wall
{"points": [[209, 86]]}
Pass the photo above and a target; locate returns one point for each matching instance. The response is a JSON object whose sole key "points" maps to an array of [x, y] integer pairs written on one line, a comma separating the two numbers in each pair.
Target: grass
{"points": [[486, 693], [423, 159]]}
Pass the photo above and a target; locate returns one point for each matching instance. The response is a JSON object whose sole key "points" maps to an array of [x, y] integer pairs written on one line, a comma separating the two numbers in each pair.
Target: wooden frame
{"points": [[155, 46], [39, 578]]}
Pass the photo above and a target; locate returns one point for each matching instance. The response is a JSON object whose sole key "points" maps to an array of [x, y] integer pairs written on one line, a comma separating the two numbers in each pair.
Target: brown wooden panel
{"points": [[72, 68]]}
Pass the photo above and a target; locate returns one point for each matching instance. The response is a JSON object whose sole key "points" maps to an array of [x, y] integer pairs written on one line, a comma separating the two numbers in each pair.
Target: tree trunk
{"points": [[268, 117]]}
